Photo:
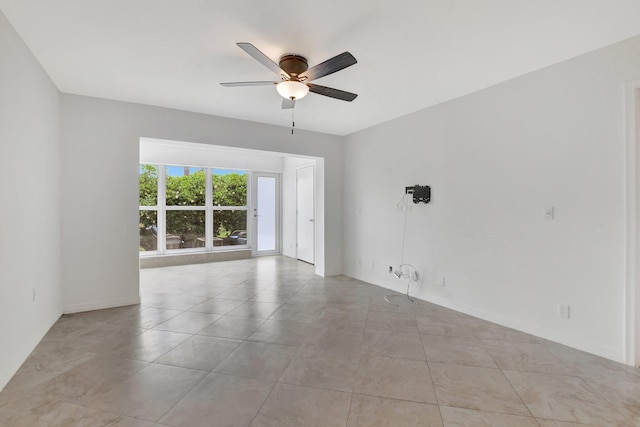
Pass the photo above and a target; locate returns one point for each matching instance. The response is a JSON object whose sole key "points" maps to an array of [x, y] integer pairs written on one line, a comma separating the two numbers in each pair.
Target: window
{"points": [[190, 208], [229, 207], [148, 181], [185, 204]]}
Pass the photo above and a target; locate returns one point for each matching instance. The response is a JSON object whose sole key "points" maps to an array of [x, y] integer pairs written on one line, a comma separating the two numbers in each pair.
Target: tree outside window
{"points": [[185, 188]]}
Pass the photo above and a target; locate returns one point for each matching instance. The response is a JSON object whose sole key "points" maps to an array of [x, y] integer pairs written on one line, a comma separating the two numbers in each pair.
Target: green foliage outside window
{"points": [[187, 190], [188, 225], [190, 190], [148, 197], [230, 190]]}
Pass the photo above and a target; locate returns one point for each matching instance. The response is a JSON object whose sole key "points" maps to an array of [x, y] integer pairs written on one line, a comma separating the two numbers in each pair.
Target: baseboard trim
{"points": [[19, 354], [99, 305], [534, 330], [551, 335]]}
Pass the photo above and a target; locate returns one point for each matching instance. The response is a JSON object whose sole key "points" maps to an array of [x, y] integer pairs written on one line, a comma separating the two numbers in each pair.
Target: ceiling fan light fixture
{"points": [[292, 89]]}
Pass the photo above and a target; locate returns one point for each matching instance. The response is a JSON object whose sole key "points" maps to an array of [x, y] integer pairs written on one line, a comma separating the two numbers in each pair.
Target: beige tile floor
{"points": [[265, 342]]}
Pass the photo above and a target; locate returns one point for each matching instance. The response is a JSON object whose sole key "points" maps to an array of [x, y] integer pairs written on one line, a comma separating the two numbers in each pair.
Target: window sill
{"points": [[170, 259]]}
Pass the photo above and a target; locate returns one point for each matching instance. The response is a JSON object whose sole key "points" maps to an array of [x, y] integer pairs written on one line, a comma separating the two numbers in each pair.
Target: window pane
{"points": [[185, 229], [148, 185], [186, 186], [148, 231], [229, 187], [266, 238], [229, 228]]}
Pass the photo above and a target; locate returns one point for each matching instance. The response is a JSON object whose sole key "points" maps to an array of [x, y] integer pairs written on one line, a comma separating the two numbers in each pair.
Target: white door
{"points": [[266, 214], [305, 203]]}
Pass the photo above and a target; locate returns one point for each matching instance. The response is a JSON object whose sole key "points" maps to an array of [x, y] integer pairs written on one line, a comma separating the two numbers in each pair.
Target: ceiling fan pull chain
{"points": [[293, 122]]}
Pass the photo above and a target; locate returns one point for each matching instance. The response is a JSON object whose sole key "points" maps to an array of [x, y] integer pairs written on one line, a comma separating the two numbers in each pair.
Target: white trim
{"points": [[315, 216], [535, 330], [199, 208], [209, 209], [250, 207], [89, 306], [162, 201], [632, 238], [519, 325], [208, 220], [19, 353], [185, 208], [230, 208]]}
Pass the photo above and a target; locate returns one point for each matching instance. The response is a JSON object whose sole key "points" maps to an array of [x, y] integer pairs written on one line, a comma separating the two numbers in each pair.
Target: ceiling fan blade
{"points": [[329, 66], [263, 59], [288, 103], [332, 93], [238, 84]]}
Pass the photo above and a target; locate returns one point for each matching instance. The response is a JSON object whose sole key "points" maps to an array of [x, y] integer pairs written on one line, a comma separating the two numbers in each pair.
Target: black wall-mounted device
{"points": [[421, 193]]}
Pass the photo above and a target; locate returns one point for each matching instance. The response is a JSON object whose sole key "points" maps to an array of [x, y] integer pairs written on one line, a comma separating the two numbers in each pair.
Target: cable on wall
{"points": [[407, 271]]}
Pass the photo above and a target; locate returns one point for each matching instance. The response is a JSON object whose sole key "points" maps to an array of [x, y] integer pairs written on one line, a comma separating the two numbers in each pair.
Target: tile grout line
{"points": [[515, 391]]}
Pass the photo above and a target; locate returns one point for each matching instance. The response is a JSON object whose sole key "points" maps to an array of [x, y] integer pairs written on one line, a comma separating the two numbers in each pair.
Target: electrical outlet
{"points": [[441, 280], [564, 311], [549, 212]]}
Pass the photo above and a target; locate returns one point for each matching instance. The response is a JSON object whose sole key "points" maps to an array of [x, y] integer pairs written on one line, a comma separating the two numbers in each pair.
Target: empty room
{"points": [[414, 213]]}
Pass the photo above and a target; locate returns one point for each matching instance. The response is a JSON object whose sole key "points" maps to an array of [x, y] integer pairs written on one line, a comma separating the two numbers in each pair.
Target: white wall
{"points": [[201, 155], [495, 159], [100, 157], [30, 194]]}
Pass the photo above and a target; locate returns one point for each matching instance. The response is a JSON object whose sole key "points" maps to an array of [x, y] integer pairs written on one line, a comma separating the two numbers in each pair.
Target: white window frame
{"points": [[161, 209]]}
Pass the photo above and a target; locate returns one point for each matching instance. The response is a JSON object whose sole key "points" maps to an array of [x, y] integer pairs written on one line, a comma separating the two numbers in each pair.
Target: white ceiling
{"points": [[411, 53]]}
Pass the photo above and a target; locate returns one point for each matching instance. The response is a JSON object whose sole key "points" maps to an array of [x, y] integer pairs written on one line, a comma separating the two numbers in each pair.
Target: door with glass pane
{"points": [[266, 214]]}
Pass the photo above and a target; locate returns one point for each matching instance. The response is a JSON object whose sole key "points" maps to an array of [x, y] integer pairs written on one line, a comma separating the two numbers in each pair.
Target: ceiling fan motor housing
{"points": [[294, 65]]}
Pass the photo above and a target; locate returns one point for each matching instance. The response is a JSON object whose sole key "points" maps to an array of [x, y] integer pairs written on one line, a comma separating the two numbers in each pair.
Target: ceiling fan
{"points": [[294, 74]]}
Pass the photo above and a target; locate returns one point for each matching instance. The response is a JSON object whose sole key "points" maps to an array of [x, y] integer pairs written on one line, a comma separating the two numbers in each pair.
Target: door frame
{"points": [[254, 220], [632, 234], [313, 167]]}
